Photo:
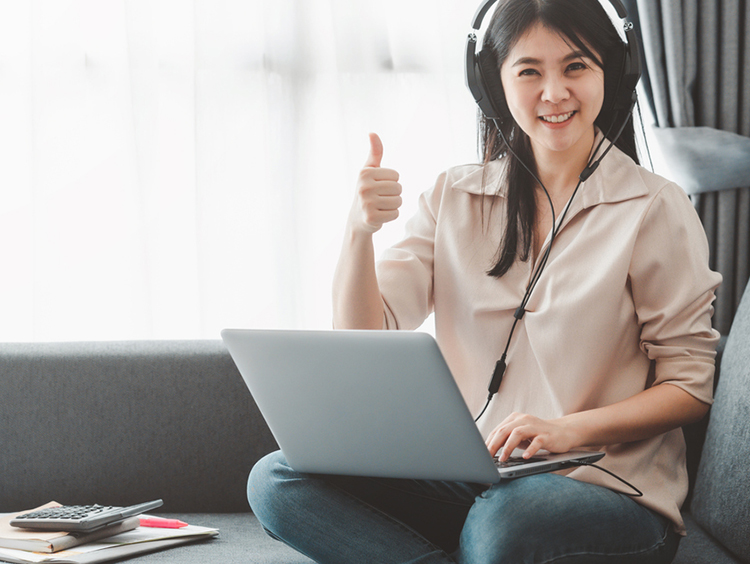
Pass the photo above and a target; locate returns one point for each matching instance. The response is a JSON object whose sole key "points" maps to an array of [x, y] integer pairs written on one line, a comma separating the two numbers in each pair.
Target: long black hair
{"points": [[583, 23]]}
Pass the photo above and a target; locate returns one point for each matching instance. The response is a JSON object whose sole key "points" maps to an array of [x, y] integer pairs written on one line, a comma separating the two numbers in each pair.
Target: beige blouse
{"points": [[624, 303]]}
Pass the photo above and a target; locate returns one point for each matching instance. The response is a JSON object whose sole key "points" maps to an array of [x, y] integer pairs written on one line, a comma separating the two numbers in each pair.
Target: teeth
{"points": [[558, 119]]}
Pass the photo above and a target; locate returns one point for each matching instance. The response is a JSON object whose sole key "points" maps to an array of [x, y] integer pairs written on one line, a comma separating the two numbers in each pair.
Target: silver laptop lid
{"points": [[363, 403]]}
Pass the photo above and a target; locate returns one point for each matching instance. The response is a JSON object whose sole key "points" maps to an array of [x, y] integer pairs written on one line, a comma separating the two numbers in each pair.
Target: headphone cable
{"points": [[501, 365]]}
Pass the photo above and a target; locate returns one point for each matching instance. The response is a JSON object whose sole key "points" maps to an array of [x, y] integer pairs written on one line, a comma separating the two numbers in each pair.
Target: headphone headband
{"points": [[483, 80], [476, 21]]}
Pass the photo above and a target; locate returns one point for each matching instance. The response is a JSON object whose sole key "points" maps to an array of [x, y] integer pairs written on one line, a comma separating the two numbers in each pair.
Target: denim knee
{"points": [[264, 478]]}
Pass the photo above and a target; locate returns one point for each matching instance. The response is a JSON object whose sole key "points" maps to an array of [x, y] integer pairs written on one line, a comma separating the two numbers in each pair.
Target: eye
{"points": [[577, 67], [528, 72]]}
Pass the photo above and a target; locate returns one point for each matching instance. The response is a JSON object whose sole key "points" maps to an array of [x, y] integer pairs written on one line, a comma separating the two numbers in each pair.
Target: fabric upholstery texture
{"points": [[699, 547], [720, 503], [126, 422], [241, 540]]}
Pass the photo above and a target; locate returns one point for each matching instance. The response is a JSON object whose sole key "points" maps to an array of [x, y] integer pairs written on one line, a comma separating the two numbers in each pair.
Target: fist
{"points": [[378, 192]]}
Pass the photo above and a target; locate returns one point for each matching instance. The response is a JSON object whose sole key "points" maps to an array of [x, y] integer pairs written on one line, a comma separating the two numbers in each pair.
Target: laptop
{"points": [[371, 403]]}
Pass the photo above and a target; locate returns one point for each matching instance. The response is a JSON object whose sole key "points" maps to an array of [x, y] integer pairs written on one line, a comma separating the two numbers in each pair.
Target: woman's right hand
{"points": [[378, 193]]}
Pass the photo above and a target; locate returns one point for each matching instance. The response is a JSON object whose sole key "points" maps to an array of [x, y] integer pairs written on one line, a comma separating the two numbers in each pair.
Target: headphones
{"points": [[622, 69]]}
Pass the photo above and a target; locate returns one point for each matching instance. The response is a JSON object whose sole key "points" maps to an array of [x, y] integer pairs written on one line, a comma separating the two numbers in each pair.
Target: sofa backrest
{"points": [[121, 423], [720, 500]]}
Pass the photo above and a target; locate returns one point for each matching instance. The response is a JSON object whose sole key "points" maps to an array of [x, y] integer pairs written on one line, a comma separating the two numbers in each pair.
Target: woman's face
{"points": [[554, 91]]}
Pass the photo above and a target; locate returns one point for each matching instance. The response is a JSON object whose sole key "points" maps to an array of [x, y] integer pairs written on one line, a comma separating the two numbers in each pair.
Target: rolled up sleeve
{"points": [[673, 291]]}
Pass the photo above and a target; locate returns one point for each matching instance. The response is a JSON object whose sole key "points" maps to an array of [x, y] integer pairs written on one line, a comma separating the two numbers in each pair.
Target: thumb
{"points": [[376, 151]]}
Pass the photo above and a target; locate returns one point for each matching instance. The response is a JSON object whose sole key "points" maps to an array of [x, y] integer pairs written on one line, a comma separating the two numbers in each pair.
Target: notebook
{"points": [[370, 403]]}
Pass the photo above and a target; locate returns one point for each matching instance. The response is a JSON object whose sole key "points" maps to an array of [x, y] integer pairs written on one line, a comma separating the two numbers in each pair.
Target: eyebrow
{"points": [[532, 61]]}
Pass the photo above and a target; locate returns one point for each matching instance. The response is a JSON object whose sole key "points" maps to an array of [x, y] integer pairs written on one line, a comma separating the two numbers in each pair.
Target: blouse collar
{"points": [[616, 179]]}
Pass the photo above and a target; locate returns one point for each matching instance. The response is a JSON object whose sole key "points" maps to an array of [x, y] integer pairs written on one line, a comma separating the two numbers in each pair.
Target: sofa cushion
{"points": [[698, 547], [125, 422], [719, 502], [241, 540]]}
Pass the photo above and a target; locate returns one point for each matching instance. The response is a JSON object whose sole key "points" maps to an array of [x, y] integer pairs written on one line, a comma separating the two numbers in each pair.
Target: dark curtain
{"points": [[697, 82]]}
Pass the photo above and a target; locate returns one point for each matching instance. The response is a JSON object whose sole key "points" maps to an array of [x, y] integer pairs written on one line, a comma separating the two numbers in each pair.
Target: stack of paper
{"points": [[119, 541]]}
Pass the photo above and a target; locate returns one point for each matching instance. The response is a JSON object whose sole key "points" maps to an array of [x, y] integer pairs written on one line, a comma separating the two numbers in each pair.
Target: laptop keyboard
{"points": [[516, 461]]}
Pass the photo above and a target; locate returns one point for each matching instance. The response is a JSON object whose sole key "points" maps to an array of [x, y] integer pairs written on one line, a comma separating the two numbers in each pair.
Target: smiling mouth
{"points": [[558, 118]]}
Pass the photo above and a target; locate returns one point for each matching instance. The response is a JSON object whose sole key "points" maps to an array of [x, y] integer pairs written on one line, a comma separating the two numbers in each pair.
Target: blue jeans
{"points": [[537, 519]]}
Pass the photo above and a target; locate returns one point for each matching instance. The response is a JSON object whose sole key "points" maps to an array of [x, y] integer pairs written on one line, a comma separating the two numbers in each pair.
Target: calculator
{"points": [[80, 518]]}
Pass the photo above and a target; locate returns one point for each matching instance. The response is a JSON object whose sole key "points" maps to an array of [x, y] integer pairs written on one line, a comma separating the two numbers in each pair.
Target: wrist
{"points": [[576, 430], [358, 232]]}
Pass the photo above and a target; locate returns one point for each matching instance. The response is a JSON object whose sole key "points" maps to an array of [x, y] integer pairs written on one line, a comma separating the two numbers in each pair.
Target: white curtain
{"points": [[174, 167]]}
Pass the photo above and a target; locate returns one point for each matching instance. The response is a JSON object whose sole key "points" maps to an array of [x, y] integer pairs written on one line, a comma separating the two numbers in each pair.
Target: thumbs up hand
{"points": [[378, 192]]}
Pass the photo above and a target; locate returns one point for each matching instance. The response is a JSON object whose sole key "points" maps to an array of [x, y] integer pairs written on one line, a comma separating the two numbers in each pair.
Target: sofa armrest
{"points": [[695, 433]]}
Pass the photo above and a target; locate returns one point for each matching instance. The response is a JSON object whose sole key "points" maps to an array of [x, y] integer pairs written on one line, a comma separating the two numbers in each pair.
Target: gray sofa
{"points": [[125, 422], [121, 423]]}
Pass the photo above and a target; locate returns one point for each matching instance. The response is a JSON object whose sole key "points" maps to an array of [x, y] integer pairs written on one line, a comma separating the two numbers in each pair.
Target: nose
{"points": [[555, 90]]}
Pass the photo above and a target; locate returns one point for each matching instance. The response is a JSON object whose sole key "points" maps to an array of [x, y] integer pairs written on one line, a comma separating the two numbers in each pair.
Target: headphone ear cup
{"points": [[618, 94], [492, 85]]}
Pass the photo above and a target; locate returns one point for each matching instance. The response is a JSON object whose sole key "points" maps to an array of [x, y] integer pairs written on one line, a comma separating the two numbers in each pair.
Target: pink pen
{"points": [[162, 523]]}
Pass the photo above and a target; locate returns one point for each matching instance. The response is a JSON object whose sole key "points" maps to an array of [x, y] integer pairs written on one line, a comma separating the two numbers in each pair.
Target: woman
{"points": [[613, 349]]}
